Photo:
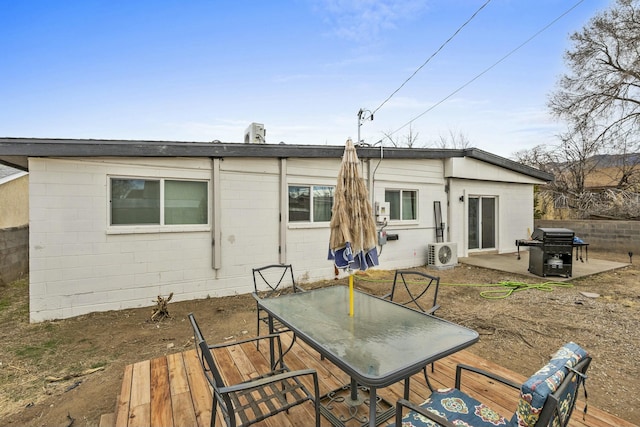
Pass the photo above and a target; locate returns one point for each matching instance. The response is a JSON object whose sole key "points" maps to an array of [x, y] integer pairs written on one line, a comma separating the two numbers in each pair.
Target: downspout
{"points": [[283, 216], [449, 214], [372, 178], [216, 261]]}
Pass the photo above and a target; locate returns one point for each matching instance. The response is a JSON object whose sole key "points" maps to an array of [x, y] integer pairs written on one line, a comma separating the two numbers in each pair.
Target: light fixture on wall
{"points": [[461, 198]]}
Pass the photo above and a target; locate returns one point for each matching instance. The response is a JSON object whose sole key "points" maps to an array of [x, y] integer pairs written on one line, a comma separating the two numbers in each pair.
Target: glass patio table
{"points": [[381, 344]]}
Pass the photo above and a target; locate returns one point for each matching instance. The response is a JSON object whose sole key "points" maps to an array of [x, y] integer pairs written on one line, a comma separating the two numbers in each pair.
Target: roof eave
{"points": [[16, 151]]}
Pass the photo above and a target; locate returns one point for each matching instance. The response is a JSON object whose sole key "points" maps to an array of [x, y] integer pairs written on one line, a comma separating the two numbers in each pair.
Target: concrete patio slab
{"points": [[510, 263]]}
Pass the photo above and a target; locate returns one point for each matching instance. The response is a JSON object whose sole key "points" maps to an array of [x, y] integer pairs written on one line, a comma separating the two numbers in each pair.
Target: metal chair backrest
{"points": [[409, 286], [548, 397], [206, 357], [271, 280], [559, 405]]}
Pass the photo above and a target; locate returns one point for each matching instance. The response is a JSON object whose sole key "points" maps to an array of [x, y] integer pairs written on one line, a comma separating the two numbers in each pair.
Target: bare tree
{"points": [[599, 99], [409, 140], [570, 162], [455, 139], [538, 157], [578, 149], [601, 92]]}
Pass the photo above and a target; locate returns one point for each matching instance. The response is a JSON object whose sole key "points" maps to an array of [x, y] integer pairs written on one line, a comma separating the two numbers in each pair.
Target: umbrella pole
{"points": [[351, 295]]}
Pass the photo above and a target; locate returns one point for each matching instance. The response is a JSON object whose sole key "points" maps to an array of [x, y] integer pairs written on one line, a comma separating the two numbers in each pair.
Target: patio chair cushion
{"points": [[535, 390], [457, 407]]}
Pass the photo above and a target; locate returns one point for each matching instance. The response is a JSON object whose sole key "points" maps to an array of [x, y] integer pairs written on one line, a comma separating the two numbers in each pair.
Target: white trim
{"points": [[308, 224], [143, 229], [12, 177]]}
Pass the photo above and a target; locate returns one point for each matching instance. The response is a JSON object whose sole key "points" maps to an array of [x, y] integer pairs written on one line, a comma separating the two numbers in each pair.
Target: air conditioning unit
{"points": [[255, 134], [442, 255]]}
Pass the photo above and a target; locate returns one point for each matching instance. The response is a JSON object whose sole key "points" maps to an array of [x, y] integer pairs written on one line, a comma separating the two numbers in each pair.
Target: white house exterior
{"points": [[87, 255], [14, 194]]}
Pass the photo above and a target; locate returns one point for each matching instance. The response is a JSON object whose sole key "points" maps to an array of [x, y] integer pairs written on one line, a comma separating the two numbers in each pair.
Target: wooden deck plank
{"points": [[230, 375], [140, 403], [181, 399], [199, 387], [122, 409], [190, 395], [161, 406]]}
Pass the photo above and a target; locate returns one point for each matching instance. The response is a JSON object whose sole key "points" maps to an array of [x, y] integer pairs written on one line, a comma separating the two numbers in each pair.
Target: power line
{"points": [[431, 57], [489, 68]]}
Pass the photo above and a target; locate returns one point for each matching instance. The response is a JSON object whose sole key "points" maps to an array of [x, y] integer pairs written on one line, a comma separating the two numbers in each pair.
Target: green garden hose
{"points": [[506, 288]]}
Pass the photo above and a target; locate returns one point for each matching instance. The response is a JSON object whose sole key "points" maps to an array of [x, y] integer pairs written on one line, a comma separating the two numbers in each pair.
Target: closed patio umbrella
{"points": [[352, 243]]}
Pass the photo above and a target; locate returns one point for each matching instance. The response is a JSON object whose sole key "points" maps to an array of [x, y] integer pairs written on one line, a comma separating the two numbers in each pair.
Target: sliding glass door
{"points": [[482, 222]]}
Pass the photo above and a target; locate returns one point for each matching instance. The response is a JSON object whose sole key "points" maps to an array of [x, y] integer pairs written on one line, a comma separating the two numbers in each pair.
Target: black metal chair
{"points": [[546, 399], [416, 285], [268, 282], [261, 397]]}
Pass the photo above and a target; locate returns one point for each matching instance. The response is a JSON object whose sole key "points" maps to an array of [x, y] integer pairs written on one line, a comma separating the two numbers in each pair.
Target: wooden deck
{"points": [[172, 391]]}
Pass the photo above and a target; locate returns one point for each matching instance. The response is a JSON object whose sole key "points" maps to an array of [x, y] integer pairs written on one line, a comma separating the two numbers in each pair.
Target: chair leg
{"points": [[257, 325], [213, 412]]}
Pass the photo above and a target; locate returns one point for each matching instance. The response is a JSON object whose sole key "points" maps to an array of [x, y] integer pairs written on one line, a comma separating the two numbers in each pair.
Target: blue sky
{"points": [[204, 70]]}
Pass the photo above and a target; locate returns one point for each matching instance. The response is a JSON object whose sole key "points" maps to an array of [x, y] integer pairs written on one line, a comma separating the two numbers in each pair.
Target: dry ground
{"points": [[43, 367]]}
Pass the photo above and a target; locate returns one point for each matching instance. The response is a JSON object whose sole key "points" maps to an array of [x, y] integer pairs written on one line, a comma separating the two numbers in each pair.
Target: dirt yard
{"points": [[69, 372]]}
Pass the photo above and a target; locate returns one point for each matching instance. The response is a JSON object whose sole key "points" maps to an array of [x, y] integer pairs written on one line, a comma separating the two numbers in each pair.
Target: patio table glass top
{"points": [[380, 344]]}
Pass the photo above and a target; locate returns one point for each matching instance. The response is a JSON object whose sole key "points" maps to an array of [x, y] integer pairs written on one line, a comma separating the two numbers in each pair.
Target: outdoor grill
{"points": [[550, 251]]}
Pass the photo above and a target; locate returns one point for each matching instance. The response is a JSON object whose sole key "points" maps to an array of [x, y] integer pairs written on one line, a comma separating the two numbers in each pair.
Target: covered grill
{"points": [[550, 251]]}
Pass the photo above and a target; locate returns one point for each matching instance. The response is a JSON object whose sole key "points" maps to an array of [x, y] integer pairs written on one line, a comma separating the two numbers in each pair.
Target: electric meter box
{"points": [[382, 212]]}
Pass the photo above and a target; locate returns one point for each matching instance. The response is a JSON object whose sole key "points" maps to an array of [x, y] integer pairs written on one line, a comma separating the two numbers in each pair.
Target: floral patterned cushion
{"points": [[457, 407], [463, 410], [535, 390]]}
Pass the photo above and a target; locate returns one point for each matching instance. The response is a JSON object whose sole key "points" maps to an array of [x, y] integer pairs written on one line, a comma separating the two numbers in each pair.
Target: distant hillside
{"points": [[616, 160]]}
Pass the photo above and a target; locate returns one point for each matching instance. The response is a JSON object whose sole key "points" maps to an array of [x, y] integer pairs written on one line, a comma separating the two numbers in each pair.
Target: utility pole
{"points": [[362, 116]]}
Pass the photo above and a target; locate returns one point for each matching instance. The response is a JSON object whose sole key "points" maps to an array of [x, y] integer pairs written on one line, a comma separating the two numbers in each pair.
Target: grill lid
{"points": [[552, 234]]}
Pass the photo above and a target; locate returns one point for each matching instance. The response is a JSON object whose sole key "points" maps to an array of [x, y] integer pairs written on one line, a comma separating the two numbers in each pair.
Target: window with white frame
{"points": [[310, 203], [170, 202], [403, 204]]}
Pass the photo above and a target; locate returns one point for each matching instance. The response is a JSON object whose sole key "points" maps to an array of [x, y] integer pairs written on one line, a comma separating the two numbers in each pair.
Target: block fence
{"points": [[14, 253], [602, 235]]}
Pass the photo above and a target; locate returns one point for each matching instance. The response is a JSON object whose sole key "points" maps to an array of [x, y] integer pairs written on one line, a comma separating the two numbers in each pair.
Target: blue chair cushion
{"points": [[456, 407], [535, 390]]}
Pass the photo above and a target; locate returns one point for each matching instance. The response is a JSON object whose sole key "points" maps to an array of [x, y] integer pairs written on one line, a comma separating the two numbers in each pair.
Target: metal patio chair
{"points": [[416, 292], [418, 287], [271, 281], [258, 398], [546, 399]]}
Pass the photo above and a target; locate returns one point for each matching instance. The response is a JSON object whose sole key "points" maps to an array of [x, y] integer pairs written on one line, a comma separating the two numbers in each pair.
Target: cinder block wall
{"points": [[603, 235], [14, 253]]}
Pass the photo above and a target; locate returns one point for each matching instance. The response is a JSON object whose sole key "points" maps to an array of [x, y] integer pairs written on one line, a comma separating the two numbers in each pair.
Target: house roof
{"points": [[15, 152], [8, 171]]}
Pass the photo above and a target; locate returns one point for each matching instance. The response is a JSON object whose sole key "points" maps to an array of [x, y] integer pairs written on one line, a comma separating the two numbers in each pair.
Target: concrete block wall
{"points": [[603, 235], [14, 253]]}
